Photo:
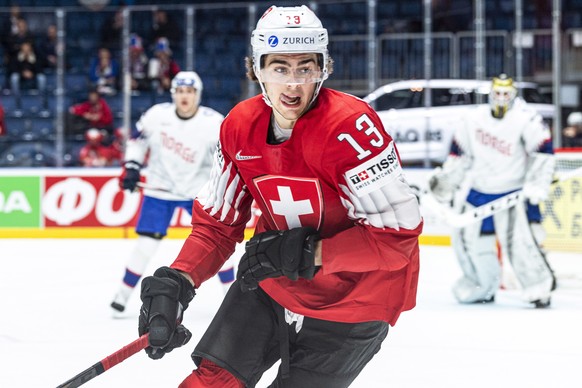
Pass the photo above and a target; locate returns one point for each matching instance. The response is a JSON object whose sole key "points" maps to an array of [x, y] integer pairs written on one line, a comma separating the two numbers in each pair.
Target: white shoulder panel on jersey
{"points": [[378, 195], [153, 114]]}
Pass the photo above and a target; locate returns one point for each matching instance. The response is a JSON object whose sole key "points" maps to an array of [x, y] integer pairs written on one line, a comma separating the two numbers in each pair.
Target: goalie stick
{"points": [[107, 363], [460, 220], [144, 186]]}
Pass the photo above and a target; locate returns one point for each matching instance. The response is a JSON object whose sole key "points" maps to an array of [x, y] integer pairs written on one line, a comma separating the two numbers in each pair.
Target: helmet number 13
{"points": [[294, 19], [363, 123]]}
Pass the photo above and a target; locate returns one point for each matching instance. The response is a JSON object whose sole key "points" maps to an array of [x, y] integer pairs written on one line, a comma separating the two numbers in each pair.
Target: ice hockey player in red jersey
{"points": [[334, 259]]}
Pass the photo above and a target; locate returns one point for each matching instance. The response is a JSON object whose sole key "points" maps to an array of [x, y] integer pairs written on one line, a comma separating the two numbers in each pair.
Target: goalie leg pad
{"points": [[477, 256], [524, 253]]}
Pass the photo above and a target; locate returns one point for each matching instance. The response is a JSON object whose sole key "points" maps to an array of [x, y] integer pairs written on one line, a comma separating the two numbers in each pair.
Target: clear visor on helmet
{"points": [[287, 75]]}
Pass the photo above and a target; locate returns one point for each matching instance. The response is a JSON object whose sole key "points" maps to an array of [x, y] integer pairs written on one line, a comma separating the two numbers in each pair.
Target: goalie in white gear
{"points": [[178, 140], [500, 148]]}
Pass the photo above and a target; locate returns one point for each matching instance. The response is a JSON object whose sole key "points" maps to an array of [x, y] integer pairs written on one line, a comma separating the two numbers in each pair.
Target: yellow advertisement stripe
{"points": [[129, 232]]}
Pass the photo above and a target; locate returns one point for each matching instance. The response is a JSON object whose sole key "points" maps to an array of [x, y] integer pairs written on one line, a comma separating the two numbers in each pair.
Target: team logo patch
{"points": [[374, 173], [273, 41], [291, 202]]}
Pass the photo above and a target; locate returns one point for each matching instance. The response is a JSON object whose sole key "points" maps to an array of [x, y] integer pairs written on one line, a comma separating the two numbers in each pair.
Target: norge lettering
{"points": [[170, 143]]}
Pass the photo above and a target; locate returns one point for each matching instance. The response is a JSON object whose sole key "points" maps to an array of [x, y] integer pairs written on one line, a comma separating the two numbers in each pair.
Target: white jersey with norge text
{"points": [[498, 149], [178, 151]]}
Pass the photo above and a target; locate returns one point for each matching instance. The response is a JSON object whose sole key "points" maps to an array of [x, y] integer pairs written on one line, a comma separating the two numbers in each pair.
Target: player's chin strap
{"points": [[460, 220]]}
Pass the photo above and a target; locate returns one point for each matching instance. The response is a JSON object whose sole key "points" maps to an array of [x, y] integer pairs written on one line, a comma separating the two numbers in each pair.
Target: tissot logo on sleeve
{"points": [[375, 172]]}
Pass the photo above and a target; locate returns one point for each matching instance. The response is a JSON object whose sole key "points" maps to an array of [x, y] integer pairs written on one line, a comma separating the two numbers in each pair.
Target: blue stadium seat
{"points": [[75, 82], [222, 105], [231, 85], [9, 104], [116, 104], [43, 128], [14, 127], [140, 103], [71, 156], [33, 103], [29, 154]]}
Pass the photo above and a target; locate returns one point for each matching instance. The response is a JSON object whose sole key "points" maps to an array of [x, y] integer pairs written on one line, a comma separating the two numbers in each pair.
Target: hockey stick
{"points": [[145, 186], [460, 220], [107, 363]]}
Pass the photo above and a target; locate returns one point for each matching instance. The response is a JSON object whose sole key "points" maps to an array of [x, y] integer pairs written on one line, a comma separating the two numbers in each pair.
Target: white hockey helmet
{"points": [[502, 95], [575, 119], [289, 30], [188, 78]]}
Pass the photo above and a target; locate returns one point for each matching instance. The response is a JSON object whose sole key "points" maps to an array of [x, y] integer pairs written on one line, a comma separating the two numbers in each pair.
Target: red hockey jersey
{"points": [[340, 173]]}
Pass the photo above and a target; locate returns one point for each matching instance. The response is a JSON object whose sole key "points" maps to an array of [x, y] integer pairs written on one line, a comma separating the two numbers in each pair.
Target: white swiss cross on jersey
{"points": [[292, 202]]}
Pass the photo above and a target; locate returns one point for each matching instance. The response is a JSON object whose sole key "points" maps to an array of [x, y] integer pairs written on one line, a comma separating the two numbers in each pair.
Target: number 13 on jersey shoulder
{"points": [[375, 139]]}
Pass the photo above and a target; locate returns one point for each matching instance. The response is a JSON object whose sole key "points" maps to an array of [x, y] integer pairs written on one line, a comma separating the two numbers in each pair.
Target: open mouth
{"points": [[290, 101]]}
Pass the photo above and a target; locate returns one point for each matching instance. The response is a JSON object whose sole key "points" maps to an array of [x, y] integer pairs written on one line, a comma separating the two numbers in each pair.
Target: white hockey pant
{"points": [[520, 244]]}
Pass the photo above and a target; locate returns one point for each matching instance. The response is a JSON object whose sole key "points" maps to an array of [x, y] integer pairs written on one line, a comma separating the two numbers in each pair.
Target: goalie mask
{"points": [[501, 96], [290, 30]]}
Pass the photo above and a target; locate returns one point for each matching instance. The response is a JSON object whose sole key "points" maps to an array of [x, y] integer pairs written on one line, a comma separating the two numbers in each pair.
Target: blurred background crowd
{"points": [[76, 74]]}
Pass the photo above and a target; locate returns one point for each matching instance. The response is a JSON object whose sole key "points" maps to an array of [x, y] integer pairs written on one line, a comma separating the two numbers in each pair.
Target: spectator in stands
{"points": [[26, 73], [97, 154], [162, 67], [104, 72], [9, 30], [572, 134], [47, 48], [18, 34], [164, 27], [22, 34], [10, 26], [138, 64], [92, 113], [111, 31]]}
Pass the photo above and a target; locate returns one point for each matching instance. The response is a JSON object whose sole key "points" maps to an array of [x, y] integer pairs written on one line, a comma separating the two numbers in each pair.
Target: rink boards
{"points": [[87, 203]]}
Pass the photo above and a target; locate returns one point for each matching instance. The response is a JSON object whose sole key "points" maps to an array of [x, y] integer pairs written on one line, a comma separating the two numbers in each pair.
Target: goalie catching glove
{"points": [[165, 296], [278, 253]]}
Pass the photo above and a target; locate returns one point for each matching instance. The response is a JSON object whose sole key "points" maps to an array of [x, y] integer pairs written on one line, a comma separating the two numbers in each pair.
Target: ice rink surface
{"points": [[55, 321]]}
